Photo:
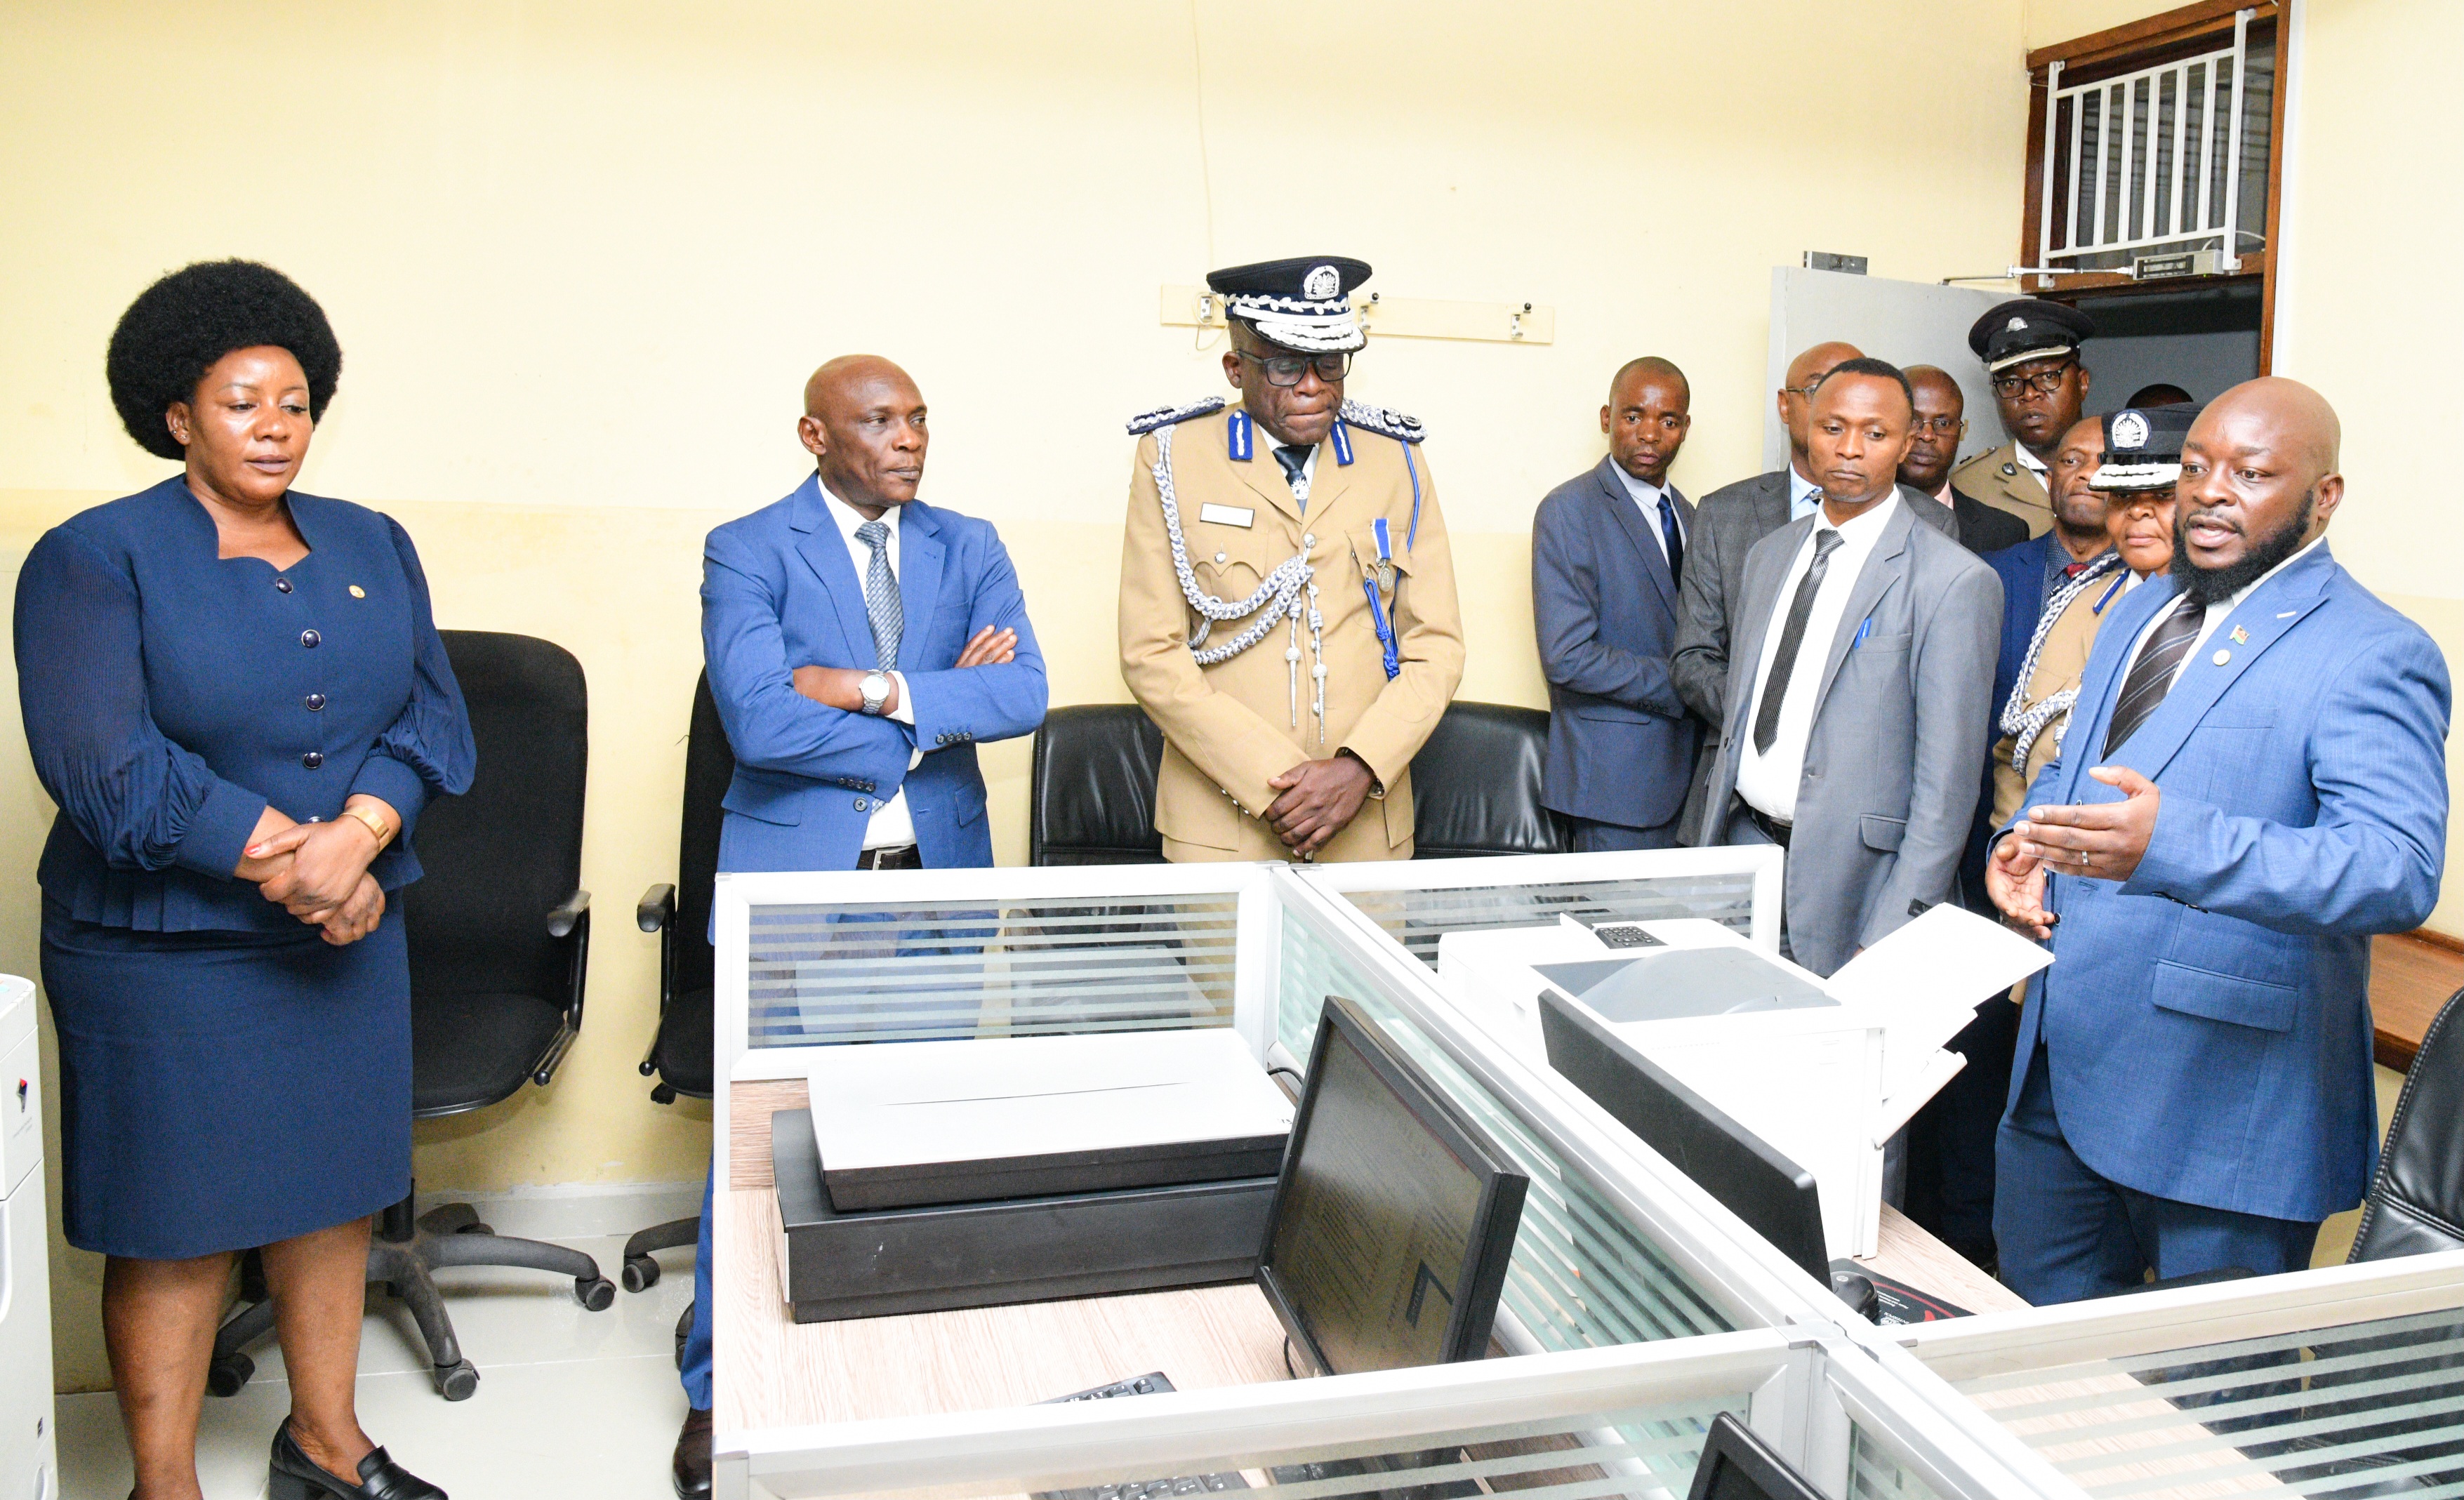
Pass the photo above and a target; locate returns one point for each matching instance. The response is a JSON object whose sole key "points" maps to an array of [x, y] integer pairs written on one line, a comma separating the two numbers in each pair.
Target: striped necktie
{"points": [[2151, 675], [880, 594]]}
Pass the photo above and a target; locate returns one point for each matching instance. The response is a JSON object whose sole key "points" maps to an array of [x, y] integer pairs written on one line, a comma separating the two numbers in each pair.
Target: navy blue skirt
{"points": [[226, 1090]]}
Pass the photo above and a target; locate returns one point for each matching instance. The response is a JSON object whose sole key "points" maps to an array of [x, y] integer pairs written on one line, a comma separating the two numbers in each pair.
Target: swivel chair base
{"points": [[641, 1272], [402, 1254]]}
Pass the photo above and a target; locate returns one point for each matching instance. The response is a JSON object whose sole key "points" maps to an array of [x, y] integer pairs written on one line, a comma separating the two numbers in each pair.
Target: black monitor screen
{"points": [[1738, 1465], [1393, 1224]]}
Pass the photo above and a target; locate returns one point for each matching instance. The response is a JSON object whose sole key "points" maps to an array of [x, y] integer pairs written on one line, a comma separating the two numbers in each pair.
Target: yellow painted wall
{"points": [[580, 258]]}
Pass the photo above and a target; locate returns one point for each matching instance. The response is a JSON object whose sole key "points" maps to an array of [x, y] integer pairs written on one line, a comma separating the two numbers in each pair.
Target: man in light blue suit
{"points": [[2252, 784], [860, 643]]}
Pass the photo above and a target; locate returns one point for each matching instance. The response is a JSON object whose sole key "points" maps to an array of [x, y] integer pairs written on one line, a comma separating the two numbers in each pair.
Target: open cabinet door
{"points": [[1906, 322]]}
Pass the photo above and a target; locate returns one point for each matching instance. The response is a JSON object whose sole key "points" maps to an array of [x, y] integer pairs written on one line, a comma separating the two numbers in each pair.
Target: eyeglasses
{"points": [[1942, 426], [1286, 369], [1804, 392], [2044, 383]]}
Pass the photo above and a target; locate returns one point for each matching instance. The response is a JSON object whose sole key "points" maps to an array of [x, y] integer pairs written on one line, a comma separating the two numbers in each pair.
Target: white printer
{"points": [[1824, 1071], [29, 1454]]}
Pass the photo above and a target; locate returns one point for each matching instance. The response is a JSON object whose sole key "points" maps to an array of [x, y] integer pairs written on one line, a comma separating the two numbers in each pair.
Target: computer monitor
{"points": [[1738, 1465], [1775, 1197], [1394, 1218]]}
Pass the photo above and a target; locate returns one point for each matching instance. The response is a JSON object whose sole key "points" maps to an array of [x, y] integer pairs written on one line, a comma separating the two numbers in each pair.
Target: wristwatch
{"points": [[875, 689]]}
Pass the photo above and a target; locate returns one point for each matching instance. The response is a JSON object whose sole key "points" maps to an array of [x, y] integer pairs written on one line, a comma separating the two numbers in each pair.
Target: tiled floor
{"points": [[569, 1402]]}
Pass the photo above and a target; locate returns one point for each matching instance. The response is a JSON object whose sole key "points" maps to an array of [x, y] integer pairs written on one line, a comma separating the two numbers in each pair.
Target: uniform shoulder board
{"points": [[1378, 419], [1971, 461], [1165, 416]]}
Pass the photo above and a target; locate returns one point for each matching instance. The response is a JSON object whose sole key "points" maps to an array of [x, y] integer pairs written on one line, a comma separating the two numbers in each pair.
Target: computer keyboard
{"points": [[1367, 1468], [1151, 1384], [1626, 936]]}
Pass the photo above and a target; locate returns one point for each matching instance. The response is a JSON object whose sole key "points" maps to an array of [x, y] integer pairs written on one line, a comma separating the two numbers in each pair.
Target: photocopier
{"points": [[28, 1448]]}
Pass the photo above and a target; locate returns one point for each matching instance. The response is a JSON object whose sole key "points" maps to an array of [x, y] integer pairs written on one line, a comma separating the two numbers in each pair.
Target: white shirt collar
{"points": [[1861, 530], [2229, 605], [1645, 494], [1804, 496], [2027, 460], [850, 519]]}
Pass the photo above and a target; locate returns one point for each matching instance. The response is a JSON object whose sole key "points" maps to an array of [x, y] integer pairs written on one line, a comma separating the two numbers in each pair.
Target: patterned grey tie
{"points": [[880, 594], [2151, 675]]}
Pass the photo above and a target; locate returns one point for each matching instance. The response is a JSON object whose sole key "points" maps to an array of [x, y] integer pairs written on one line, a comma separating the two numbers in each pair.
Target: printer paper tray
{"points": [[1050, 1174]]}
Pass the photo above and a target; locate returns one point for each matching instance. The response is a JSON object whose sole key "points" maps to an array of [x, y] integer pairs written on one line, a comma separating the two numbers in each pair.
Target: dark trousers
{"points": [[1594, 837], [1952, 1142], [2066, 1232]]}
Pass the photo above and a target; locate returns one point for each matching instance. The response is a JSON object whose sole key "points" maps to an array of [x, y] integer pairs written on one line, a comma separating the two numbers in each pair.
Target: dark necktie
{"points": [[881, 595], [1293, 457], [2151, 675], [1670, 533], [1792, 636]]}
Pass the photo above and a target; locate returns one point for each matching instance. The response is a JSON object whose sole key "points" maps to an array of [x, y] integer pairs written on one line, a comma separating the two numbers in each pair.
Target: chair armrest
{"points": [[561, 921], [658, 909]]}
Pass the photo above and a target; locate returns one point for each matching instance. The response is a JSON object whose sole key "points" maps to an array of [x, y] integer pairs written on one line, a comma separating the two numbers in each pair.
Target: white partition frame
{"points": [[1935, 1360], [1762, 863]]}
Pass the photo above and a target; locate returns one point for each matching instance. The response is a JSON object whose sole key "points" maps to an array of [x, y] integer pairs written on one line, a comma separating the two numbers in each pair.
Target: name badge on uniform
{"points": [[1228, 514]]}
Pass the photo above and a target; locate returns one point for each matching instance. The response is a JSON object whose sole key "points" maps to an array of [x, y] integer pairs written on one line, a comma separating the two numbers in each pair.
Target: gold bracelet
{"points": [[375, 821]]}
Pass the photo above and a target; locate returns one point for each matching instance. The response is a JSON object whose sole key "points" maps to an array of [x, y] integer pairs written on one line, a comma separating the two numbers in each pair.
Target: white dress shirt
{"points": [[1648, 497], [1804, 496], [2216, 614], [1768, 781], [892, 827]]}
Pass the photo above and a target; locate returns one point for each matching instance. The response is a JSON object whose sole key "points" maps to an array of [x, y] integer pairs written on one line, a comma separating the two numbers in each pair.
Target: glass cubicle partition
{"points": [[2346, 1383], [1592, 1424], [1417, 902]]}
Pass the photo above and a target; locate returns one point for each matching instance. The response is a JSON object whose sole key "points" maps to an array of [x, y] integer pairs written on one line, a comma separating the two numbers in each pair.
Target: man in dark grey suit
{"points": [[1606, 548], [1728, 522], [1856, 697]]}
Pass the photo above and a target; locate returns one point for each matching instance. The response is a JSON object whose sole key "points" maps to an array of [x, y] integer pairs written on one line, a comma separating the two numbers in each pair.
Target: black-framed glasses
{"points": [[2044, 383], [1286, 369], [1942, 426], [1804, 392]]}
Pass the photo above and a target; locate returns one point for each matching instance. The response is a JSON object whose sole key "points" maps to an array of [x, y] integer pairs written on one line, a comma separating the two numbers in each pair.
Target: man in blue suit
{"points": [[1605, 549], [2252, 784], [860, 643]]}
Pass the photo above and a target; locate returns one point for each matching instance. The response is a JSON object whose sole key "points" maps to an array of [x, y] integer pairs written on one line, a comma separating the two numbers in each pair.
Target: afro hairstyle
{"points": [[178, 327]]}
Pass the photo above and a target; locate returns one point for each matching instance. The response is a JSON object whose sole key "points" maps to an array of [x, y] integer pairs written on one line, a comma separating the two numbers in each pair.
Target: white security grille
{"points": [[2157, 159]]}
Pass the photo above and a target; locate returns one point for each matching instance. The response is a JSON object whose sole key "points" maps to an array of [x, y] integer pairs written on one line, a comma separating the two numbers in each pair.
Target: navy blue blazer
{"points": [[1620, 743], [2208, 1021], [778, 591], [170, 694]]}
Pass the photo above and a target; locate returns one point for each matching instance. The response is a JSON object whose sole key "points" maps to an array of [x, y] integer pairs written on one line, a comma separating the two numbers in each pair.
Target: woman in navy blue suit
{"points": [[237, 696]]}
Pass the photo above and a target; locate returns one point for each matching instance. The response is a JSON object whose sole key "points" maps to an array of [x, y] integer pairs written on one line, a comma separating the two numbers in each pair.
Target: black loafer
{"points": [[292, 1475], [689, 1470]]}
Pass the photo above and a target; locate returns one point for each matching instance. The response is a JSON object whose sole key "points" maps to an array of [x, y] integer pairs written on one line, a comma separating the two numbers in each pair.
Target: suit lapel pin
{"points": [[2221, 657], [357, 592], [2240, 636]]}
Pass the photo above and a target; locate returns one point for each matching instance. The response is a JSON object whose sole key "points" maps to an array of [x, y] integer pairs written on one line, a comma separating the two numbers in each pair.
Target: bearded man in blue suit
{"points": [[860, 643], [2251, 785]]}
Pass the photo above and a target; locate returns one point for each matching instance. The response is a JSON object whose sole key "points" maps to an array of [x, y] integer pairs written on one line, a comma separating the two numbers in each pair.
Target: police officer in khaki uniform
{"points": [[2031, 350], [1287, 596]]}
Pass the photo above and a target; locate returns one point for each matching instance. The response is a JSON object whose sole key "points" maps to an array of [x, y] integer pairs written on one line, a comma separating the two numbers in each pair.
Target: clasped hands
{"points": [[1319, 800], [319, 872], [2101, 841], [842, 687]]}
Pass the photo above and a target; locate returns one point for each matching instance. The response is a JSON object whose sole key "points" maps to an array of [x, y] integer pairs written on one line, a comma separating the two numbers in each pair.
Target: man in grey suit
{"points": [[1729, 520], [1856, 697], [1606, 548]]}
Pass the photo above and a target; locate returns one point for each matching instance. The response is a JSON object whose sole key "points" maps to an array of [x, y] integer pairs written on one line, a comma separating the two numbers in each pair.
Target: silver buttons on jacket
{"points": [[312, 758], [309, 639], [315, 702], [282, 585]]}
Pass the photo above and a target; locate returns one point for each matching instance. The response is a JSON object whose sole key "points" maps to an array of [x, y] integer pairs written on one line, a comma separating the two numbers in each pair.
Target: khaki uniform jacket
{"points": [[2000, 479], [1229, 728], [2059, 665]]}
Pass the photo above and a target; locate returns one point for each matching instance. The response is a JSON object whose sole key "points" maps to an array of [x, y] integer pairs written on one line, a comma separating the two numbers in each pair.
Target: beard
{"points": [[2210, 586]]}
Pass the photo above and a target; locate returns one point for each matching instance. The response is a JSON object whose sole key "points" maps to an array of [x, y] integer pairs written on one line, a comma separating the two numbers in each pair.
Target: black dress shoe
{"points": [[690, 1467], [292, 1475]]}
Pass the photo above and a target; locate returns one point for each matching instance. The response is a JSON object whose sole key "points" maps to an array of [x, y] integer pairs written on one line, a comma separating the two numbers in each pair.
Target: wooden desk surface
{"points": [[1905, 1252], [2409, 979], [773, 1371]]}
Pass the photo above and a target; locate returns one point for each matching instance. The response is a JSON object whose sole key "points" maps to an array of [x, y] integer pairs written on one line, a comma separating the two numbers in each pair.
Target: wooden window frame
{"points": [[2140, 42]]}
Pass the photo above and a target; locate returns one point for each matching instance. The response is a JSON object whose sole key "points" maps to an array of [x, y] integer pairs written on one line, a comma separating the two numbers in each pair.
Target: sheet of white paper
{"points": [[1925, 981]]}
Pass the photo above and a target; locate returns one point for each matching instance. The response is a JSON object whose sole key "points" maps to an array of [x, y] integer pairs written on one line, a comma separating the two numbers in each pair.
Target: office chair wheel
{"points": [[640, 1273], [227, 1375], [457, 1382], [595, 1293]]}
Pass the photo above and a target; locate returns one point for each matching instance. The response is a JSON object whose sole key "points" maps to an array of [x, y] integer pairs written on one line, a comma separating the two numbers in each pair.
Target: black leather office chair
{"points": [[680, 1050], [1475, 787], [1091, 793], [500, 936], [2416, 1206]]}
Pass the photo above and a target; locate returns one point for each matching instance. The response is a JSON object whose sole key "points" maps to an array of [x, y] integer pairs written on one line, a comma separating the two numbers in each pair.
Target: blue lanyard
{"points": [[1378, 618]]}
